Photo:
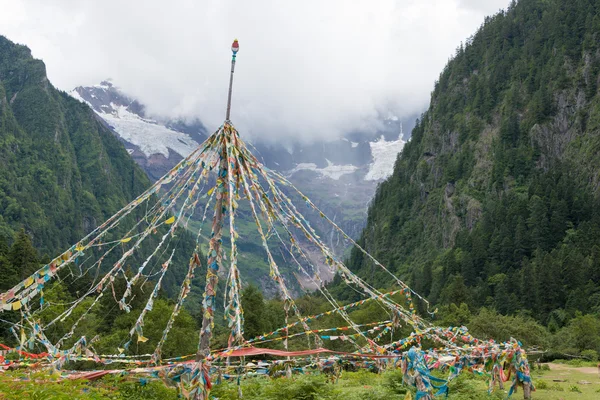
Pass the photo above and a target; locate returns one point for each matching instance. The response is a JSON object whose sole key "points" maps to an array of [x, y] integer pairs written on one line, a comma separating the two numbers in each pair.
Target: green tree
{"points": [[538, 222], [521, 239], [509, 131], [7, 271], [23, 256], [253, 305], [456, 292]]}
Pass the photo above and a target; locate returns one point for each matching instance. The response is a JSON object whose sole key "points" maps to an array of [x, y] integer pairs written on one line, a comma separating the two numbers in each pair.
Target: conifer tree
{"points": [[23, 256], [538, 222], [8, 275], [253, 305]]}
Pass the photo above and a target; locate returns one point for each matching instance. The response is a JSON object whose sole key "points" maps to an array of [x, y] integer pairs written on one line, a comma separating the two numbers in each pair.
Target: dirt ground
{"points": [[564, 367]]}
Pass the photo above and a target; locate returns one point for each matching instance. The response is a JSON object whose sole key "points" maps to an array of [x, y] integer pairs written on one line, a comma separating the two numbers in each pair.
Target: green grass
{"points": [[361, 385], [547, 388], [41, 386], [577, 362]]}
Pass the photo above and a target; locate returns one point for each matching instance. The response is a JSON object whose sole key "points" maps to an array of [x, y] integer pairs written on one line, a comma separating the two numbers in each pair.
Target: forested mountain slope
{"points": [[61, 171], [495, 200]]}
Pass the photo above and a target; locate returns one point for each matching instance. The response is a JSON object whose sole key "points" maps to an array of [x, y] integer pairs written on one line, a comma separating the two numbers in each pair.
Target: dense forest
{"points": [[62, 174], [495, 201]]}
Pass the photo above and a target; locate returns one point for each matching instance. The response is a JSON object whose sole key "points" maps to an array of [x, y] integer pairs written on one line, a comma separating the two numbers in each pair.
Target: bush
{"points": [[393, 382], [303, 388], [371, 393], [542, 385], [577, 362], [140, 390], [362, 377], [556, 388], [490, 324], [591, 355], [574, 388]]}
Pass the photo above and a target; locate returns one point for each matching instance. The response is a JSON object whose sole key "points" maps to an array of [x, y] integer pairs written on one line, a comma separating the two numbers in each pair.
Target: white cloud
{"points": [[305, 68]]}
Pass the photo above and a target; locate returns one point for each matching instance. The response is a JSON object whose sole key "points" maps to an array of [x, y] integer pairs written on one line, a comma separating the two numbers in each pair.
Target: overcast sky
{"points": [[305, 68]]}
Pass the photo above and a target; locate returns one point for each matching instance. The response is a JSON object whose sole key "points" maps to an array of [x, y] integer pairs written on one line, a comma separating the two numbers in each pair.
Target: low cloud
{"points": [[305, 68]]}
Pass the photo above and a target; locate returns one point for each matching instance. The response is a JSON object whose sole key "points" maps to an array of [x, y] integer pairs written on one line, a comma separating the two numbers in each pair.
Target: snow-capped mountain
{"points": [[340, 175], [159, 143], [156, 144]]}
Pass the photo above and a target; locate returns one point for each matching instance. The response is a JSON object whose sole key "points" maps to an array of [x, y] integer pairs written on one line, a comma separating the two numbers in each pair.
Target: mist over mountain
{"points": [[306, 70], [340, 175]]}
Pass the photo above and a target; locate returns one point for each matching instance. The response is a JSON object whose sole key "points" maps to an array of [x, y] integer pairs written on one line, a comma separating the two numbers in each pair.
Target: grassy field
{"points": [[564, 381], [561, 381]]}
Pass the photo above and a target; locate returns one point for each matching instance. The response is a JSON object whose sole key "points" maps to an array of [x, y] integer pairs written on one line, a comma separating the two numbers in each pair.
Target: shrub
{"points": [[591, 355], [393, 382], [302, 388], [556, 388], [541, 385], [574, 388], [371, 393], [139, 389]]}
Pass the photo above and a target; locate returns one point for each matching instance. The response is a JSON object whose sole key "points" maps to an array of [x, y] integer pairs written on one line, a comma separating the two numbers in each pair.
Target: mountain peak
{"points": [[106, 84]]}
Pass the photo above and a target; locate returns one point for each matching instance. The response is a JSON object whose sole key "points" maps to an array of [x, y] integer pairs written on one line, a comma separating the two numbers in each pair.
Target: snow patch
{"points": [[75, 94], [148, 135], [384, 157]]}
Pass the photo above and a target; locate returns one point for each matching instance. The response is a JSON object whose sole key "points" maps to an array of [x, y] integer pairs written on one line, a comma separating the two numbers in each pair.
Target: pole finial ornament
{"points": [[235, 47]]}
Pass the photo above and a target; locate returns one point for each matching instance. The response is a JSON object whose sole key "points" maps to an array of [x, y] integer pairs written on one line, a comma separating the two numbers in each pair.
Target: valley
{"points": [[341, 175], [148, 253]]}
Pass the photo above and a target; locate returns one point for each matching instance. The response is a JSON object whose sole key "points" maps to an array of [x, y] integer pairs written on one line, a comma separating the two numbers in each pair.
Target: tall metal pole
{"points": [[234, 49], [214, 256]]}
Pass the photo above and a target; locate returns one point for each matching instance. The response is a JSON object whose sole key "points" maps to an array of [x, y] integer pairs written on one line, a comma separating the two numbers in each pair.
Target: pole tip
{"points": [[235, 46]]}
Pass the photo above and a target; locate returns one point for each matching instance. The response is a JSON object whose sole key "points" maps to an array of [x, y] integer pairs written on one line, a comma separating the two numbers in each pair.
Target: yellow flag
{"points": [[16, 305], [126, 240], [170, 221], [142, 339], [28, 281], [211, 191], [408, 396]]}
